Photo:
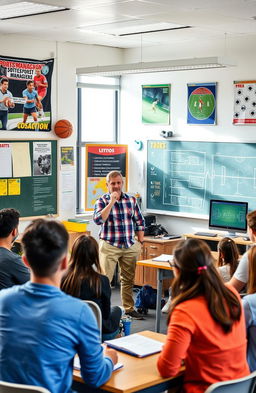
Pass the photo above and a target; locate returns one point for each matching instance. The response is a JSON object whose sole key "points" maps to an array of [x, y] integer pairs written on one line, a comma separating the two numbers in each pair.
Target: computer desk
{"points": [[138, 375]]}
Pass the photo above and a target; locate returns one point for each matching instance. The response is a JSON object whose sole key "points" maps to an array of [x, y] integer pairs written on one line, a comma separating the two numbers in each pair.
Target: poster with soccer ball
{"points": [[156, 104], [25, 94], [244, 102], [201, 103]]}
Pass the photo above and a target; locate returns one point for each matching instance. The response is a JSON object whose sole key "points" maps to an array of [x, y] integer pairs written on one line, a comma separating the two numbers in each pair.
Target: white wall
{"points": [[243, 53], [68, 57]]}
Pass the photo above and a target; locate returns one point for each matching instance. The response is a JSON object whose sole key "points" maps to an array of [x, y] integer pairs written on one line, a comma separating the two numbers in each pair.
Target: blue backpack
{"points": [[146, 299]]}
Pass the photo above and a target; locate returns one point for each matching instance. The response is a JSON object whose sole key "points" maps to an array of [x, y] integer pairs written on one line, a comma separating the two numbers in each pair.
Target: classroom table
{"points": [[164, 270], [138, 375]]}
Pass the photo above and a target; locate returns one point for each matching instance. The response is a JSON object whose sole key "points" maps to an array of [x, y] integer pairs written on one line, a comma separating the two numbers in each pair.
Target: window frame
{"points": [[81, 144]]}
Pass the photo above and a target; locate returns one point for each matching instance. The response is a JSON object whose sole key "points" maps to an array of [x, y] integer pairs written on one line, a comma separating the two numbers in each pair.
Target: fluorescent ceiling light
{"points": [[131, 27], [25, 8], [157, 66]]}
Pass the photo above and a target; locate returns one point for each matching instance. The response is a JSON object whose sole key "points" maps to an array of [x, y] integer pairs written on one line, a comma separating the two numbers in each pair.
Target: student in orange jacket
{"points": [[206, 323]]}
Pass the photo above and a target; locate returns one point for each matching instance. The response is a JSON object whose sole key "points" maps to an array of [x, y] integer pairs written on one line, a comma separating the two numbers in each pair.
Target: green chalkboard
{"points": [[31, 187], [183, 176]]}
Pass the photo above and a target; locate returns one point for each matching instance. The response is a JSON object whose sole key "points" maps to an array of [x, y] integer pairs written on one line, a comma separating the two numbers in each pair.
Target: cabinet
{"points": [[153, 248]]}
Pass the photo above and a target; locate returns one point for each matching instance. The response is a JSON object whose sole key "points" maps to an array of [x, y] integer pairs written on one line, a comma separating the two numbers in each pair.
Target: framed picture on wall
{"points": [[156, 104], [201, 103], [244, 102]]}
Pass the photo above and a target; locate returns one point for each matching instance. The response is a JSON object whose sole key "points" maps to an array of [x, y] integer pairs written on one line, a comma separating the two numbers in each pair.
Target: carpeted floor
{"points": [[139, 325]]}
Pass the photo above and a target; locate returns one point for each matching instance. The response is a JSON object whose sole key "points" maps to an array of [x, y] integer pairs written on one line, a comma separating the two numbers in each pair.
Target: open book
{"points": [[77, 365], [136, 345]]}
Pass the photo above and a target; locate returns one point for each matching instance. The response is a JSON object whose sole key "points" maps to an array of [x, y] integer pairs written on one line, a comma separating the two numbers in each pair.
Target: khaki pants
{"points": [[126, 257]]}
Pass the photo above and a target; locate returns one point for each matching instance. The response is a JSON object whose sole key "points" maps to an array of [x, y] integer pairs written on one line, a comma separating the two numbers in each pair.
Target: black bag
{"points": [[155, 230]]}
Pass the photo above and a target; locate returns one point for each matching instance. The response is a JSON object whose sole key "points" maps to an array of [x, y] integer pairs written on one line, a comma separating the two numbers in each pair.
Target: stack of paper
{"points": [[163, 258]]}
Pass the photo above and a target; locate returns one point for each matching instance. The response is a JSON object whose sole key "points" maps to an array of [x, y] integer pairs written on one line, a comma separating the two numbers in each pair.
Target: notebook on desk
{"points": [[77, 365], [136, 345]]}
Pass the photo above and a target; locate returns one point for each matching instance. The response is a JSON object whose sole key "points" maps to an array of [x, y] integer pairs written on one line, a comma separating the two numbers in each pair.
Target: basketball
{"points": [[63, 128], [8, 102]]}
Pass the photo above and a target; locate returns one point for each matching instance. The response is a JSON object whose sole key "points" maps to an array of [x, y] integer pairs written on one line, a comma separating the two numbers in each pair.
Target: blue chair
{"points": [[8, 387], [241, 385]]}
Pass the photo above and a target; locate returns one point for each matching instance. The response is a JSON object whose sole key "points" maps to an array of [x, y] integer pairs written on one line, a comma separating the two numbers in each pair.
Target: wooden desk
{"points": [[153, 247], [164, 271], [215, 239], [137, 375]]}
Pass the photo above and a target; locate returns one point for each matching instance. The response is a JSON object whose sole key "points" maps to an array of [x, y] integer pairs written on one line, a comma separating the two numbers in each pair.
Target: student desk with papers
{"points": [[137, 375], [164, 270]]}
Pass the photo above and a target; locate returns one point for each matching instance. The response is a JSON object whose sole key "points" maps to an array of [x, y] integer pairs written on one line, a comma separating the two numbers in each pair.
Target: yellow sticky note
{"points": [[3, 187], [14, 186]]}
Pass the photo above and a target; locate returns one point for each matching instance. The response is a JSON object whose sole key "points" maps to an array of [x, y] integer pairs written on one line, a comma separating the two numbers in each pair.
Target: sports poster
{"points": [[29, 107], [244, 102], [201, 103], [100, 160], [156, 104]]}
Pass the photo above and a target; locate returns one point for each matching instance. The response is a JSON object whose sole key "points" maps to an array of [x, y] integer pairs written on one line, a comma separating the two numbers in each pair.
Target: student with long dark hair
{"points": [[228, 258], [249, 303], [206, 322], [85, 281]]}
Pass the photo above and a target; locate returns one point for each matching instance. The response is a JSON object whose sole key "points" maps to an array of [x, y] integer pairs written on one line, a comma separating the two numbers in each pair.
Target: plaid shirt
{"points": [[124, 220]]}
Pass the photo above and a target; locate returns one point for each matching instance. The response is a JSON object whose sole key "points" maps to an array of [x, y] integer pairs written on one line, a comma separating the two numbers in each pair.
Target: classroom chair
{"points": [[8, 387], [241, 385], [97, 312]]}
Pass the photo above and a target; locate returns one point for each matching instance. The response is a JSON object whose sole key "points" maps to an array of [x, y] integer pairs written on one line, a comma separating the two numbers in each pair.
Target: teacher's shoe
{"points": [[134, 314]]}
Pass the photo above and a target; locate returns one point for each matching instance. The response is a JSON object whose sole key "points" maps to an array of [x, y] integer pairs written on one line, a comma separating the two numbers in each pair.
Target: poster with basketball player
{"points": [[201, 103], [156, 104], [25, 92], [244, 102]]}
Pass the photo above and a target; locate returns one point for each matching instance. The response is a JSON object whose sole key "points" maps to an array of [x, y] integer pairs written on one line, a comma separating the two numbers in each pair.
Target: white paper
{"points": [[136, 344], [77, 365], [21, 159], [163, 258], [6, 160]]}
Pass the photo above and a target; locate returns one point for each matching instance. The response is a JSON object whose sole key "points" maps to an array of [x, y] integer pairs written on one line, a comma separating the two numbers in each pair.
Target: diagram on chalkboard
{"points": [[184, 176]]}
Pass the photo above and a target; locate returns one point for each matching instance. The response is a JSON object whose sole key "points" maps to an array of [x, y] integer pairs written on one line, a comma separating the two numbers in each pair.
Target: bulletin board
{"points": [[28, 176]]}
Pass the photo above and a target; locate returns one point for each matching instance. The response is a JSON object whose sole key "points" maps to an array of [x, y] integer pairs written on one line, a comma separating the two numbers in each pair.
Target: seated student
{"points": [[228, 258], [41, 327], [206, 322], [249, 303], [85, 281], [12, 269], [240, 277]]}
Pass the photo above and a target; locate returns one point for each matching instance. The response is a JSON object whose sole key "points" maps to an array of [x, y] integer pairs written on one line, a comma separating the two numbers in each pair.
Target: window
{"points": [[98, 119]]}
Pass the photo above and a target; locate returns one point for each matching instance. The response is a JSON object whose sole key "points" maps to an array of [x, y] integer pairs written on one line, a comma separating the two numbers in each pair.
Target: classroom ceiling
{"points": [[103, 22]]}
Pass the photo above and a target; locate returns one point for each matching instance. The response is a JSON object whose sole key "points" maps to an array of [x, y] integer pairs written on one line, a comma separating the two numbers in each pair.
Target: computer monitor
{"points": [[228, 216]]}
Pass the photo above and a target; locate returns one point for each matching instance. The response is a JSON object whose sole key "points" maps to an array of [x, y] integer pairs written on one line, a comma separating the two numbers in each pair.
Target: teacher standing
{"points": [[120, 218]]}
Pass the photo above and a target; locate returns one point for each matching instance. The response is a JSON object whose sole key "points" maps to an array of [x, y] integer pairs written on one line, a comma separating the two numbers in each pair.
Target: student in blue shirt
{"points": [[31, 101], [42, 328]]}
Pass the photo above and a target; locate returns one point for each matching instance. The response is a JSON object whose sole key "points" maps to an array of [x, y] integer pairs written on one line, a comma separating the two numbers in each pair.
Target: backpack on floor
{"points": [[146, 299]]}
